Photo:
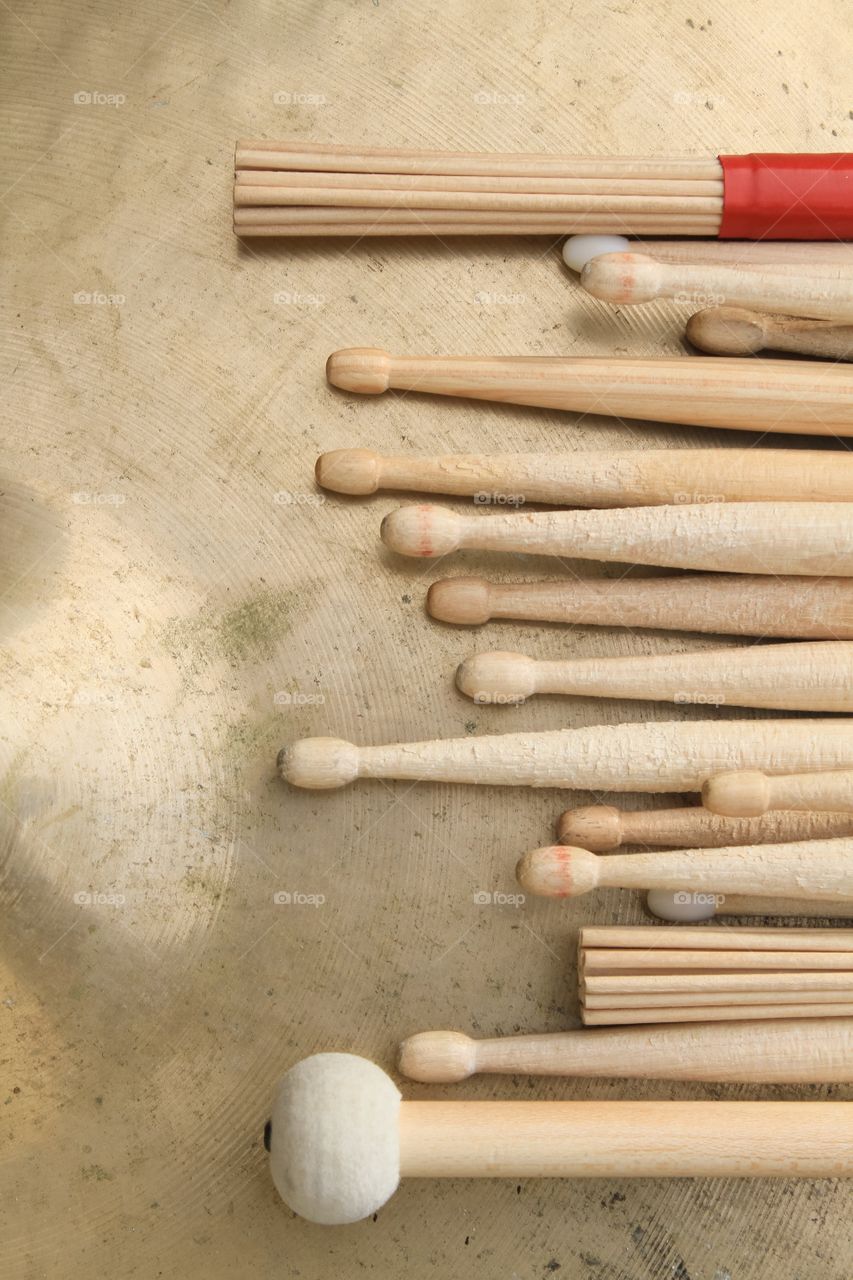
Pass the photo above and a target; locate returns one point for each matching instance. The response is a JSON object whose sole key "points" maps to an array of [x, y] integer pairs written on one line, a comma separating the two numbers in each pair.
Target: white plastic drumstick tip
{"points": [[422, 530], [578, 250], [438, 1057]]}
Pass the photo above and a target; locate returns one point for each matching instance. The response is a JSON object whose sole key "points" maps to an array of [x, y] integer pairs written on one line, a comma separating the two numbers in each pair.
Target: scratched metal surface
{"points": [[178, 601]]}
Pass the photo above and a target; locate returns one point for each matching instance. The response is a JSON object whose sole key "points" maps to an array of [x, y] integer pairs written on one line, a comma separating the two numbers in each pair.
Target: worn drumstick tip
{"points": [[558, 871], [461, 600], [319, 764], [500, 678], [438, 1057], [622, 277], [363, 369], [596, 827], [729, 331], [740, 793], [423, 530], [352, 471]]}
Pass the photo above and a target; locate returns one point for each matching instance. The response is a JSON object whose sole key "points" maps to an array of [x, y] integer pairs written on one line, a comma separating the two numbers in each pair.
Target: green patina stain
{"points": [[249, 632]]}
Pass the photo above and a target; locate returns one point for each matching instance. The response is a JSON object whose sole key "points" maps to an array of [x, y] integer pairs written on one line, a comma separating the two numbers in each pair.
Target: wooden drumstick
{"points": [[806, 608], [717, 1013], [800, 538], [813, 869], [629, 278], [341, 1139], [707, 391], [809, 1051], [652, 757], [762, 255], [816, 676], [730, 331], [602, 828], [643, 477], [751, 793]]}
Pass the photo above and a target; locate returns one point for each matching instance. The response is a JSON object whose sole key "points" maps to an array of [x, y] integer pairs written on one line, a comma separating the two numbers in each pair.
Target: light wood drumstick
{"points": [[643, 477], [749, 794], [799, 538], [653, 757], [630, 278], [815, 676], [602, 828], [653, 939], [709, 391], [714, 1000], [813, 869], [730, 331], [741, 960], [341, 1139], [773, 1053], [681, 905], [761, 254], [715, 1013], [807, 608], [721, 985]]}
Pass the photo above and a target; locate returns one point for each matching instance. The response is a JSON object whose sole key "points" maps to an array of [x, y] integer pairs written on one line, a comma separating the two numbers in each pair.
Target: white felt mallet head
{"points": [[335, 1138], [578, 250]]}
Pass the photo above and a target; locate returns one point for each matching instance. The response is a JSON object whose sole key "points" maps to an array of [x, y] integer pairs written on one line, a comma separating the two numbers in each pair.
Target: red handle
{"points": [[782, 197]]}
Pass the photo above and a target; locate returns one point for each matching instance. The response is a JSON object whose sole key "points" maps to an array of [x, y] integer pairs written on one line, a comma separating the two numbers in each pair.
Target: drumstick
{"points": [[755, 254], [630, 278], [750, 794], [813, 869], [730, 331], [683, 905], [626, 939], [816, 676], [709, 391], [652, 757], [595, 478], [340, 1139], [716, 1013], [783, 1052], [602, 828], [807, 608], [810, 1051], [800, 538]]}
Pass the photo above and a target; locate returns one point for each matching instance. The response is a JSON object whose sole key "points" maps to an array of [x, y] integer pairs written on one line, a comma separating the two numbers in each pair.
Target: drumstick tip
{"points": [[352, 471], [461, 600], [363, 369], [438, 1057], [558, 871], [318, 764], [597, 827], [422, 529], [497, 678], [621, 277]]}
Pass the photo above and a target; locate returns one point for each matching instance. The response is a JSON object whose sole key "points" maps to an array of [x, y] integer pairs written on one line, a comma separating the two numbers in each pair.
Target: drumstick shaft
{"points": [[603, 828], [654, 939], [783, 1052], [731, 331], [603, 960], [714, 1000], [816, 676], [718, 984], [596, 478], [648, 757], [783, 395], [628, 278], [723, 604], [738, 537], [755, 792], [715, 1013]]}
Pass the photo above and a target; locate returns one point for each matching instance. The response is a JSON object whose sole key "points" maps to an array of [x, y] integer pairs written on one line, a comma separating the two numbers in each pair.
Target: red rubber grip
{"points": [[781, 197]]}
